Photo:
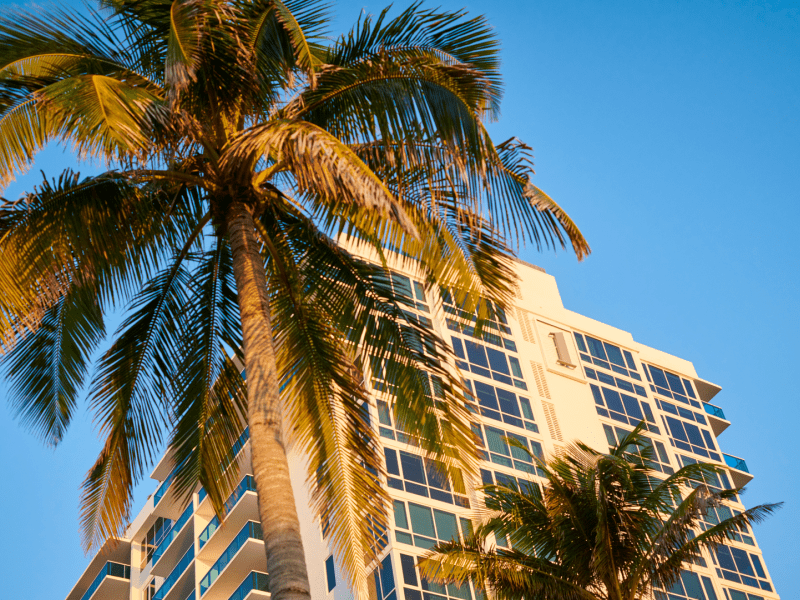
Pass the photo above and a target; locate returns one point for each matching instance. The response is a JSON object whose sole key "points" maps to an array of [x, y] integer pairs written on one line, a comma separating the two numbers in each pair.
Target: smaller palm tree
{"points": [[604, 528]]}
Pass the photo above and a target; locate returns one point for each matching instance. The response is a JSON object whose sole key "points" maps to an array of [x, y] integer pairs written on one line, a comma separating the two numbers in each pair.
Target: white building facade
{"points": [[542, 375]]}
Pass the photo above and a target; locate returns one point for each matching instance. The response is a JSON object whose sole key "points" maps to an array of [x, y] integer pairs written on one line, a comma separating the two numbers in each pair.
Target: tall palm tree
{"points": [[603, 528], [243, 148]]}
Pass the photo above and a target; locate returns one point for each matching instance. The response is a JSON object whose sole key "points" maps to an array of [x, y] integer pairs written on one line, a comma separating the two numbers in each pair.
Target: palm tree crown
{"points": [[244, 146], [603, 528]]}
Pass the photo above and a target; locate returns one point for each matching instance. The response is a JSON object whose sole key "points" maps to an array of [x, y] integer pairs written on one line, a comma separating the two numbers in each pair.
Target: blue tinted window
{"points": [[409, 572], [497, 361], [580, 342], [596, 348], [486, 395], [689, 389], [675, 383], [476, 354], [458, 347], [508, 402], [330, 573], [614, 355], [412, 467], [391, 461], [629, 360]]}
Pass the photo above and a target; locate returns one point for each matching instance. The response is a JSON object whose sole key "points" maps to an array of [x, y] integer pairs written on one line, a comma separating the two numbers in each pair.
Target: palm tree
{"points": [[250, 161], [603, 528]]}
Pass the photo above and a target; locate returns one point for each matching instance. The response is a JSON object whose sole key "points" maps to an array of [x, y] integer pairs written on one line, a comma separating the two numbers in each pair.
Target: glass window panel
{"points": [[419, 291], [459, 591], [689, 389], [610, 437], [691, 583], [676, 427], [757, 564], [402, 285], [497, 360], [486, 395], [598, 399], [412, 467], [446, 527], [400, 519], [383, 414], [391, 461], [407, 567], [516, 369], [527, 412], [517, 452], [710, 593], [458, 347], [580, 342], [536, 450], [709, 441], [693, 431], [486, 477], [506, 480], [675, 383], [614, 355], [387, 576], [613, 400], [632, 407], [648, 412], [437, 475], [629, 360], [496, 442], [742, 562], [658, 377], [596, 348], [476, 354], [508, 402], [330, 572], [421, 520], [466, 527]]}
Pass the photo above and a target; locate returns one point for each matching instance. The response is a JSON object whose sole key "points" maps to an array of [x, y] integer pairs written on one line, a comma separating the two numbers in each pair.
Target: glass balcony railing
{"points": [[714, 411], [173, 577], [734, 462], [109, 569], [191, 596], [246, 484], [250, 530], [254, 581], [177, 526]]}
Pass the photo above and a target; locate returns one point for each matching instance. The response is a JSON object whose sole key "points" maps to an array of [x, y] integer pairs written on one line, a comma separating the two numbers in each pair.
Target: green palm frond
{"points": [[209, 392], [49, 365], [186, 24]]}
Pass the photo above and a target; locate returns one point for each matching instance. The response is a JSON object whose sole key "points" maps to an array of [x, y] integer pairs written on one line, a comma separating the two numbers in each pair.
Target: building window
{"points": [[494, 326], [499, 451], [330, 573], [689, 437], [488, 362], [607, 356], [501, 405], [671, 385], [384, 580], [424, 477], [623, 408], [690, 586], [714, 515], [523, 485], [714, 481], [428, 526], [738, 566], [431, 591], [660, 458], [154, 536], [737, 595], [410, 292], [616, 382], [679, 411]]}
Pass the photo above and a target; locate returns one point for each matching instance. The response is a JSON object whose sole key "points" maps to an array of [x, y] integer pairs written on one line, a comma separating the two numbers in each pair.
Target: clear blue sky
{"points": [[669, 131]]}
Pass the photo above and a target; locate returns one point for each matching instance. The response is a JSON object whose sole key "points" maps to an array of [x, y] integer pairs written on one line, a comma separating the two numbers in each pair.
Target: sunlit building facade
{"points": [[540, 374]]}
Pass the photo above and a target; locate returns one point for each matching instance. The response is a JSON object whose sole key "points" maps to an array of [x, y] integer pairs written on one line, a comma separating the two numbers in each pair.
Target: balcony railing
{"points": [[250, 530], [173, 533], [235, 449], [173, 577], [254, 581], [714, 410], [245, 485], [734, 462], [109, 569]]}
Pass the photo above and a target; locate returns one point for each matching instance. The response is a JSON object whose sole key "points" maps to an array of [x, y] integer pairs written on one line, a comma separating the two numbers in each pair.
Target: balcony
{"points": [[241, 506], [255, 585], [739, 471], [244, 554], [112, 581], [167, 554], [716, 418], [180, 581], [105, 580]]}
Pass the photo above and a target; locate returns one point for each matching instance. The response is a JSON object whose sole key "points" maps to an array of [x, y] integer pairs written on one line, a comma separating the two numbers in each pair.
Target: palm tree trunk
{"points": [[288, 576]]}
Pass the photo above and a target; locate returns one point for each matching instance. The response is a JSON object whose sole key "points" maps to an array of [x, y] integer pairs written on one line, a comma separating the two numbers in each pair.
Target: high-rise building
{"points": [[540, 374]]}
